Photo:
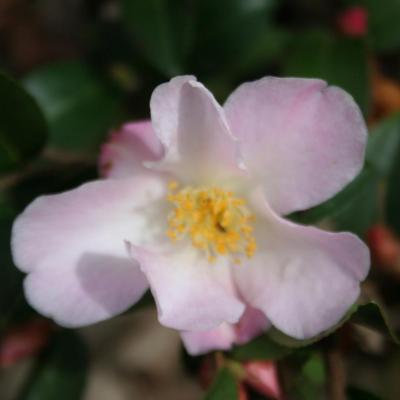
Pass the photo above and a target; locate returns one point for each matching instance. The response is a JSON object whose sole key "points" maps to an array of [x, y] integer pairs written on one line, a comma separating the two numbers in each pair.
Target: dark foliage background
{"points": [[73, 70]]}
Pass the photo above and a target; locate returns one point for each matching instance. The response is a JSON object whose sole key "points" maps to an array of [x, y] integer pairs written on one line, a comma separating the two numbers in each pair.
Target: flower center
{"points": [[213, 219]]}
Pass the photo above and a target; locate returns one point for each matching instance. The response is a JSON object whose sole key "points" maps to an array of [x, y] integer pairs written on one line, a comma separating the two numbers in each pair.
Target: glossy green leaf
{"points": [[79, 108], [161, 31], [392, 209], [261, 348], [361, 211], [60, 372], [226, 31], [372, 315], [224, 387], [13, 305], [265, 50], [384, 144], [10, 277], [338, 60], [23, 129]]}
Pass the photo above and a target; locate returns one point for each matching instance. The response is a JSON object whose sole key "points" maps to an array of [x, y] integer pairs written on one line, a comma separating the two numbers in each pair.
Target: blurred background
{"points": [[74, 70]]}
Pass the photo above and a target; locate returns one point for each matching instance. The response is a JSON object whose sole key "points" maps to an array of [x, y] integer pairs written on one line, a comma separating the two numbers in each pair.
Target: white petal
{"points": [[73, 245], [303, 278], [303, 140]]}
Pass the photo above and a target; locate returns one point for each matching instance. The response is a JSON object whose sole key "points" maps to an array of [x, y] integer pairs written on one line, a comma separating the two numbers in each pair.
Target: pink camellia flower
{"points": [[194, 211]]}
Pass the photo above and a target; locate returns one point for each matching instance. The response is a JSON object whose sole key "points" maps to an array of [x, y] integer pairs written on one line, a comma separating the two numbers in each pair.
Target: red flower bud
{"points": [[263, 376], [24, 341], [353, 21], [385, 248]]}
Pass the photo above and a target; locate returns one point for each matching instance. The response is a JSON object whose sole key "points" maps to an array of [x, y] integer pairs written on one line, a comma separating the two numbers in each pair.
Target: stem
{"points": [[337, 375]]}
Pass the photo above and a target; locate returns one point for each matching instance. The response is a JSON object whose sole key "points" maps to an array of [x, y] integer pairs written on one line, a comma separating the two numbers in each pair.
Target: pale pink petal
{"points": [[73, 245], [191, 293], [200, 342], [98, 287], [128, 148], [251, 324], [203, 148], [164, 107], [303, 140], [304, 279]]}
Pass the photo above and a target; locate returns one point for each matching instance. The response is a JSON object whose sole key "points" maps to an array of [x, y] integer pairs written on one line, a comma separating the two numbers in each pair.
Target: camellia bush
{"points": [[233, 166]]}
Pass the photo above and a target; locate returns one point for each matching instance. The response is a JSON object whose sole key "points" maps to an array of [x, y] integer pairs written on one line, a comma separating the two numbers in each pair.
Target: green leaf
{"points": [[372, 315], [338, 60], [384, 144], [261, 348], [226, 31], [311, 379], [79, 108], [61, 371], [392, 209], [354, 393], [161, 30], [361, 211], [13, 305], [224, 387], [10, 277], [314, 369], [23, 129], [264, 50]]}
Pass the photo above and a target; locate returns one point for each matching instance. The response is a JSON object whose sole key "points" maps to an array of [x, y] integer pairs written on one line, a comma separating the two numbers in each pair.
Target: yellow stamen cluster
{"points": [[214, 220]]}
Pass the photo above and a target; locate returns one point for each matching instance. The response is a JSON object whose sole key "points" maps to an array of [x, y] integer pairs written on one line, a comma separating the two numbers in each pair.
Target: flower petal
{"points": [[203, 148], [304, 279], [73, 247], [97, 288], [303, 140], [191, 294], [164, 107], [251, 324], [128, 148], [199, 342]]}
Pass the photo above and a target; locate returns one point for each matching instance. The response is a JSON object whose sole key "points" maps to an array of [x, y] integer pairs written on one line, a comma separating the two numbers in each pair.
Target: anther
{"points": [[214, 220]]}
